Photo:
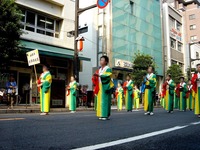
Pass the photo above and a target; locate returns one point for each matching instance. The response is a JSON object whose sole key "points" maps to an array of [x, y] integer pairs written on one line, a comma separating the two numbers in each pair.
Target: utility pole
{"points": [[78, 11]]}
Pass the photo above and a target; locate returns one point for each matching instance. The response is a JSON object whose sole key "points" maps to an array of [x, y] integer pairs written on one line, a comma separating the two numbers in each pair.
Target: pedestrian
{"points": [[190, 101], [136, 98], [128, 92], [11, 86], [169, 94], [104, 93], [150, 82], [71, 97], [44, 84], [119, 96], [182, 87], [196, 91]]}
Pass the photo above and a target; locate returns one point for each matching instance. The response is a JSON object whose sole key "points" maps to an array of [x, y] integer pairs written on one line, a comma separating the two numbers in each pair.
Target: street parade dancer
{"points": [[71, 95], [105, 86], [190, 100], [128, 92], [150, 82], [169, 98], [95, 81], [182, 88], [196, 91], [136, 98], [44, 85], [119, 96]]}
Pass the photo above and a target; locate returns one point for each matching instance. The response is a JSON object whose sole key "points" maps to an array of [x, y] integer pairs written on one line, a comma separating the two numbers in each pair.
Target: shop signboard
{"points": [[123, 64]]}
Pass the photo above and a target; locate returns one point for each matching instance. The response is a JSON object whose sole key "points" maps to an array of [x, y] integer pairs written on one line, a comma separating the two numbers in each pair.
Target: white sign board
{"points": [[33, 57], [123, 64]]}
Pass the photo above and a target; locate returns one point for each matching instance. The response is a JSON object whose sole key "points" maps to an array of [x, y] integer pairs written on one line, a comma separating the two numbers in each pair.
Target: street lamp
{"points": [[191, 60]]}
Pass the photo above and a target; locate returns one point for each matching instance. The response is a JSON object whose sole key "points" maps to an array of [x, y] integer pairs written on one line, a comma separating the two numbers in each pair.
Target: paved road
{"points": [[63, 131]]}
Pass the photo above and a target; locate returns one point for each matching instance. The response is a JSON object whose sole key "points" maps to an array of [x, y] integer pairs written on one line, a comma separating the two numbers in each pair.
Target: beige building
{"points": [[46, 26]]}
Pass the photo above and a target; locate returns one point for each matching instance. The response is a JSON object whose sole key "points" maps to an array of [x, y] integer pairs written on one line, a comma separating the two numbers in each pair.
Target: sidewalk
{"points": [[36, 109]]}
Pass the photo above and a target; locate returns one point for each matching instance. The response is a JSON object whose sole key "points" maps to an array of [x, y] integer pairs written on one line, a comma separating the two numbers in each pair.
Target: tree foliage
{"points": [[9, 31], [141, 63], [176, 72]]}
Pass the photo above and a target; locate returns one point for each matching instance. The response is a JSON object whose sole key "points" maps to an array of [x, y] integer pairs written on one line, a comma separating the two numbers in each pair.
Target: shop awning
{"points": [[49, 50]]}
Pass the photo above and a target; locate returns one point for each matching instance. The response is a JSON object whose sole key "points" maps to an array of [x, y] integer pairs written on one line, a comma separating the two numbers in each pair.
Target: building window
{"points": [[193, 38], [179, 46], [197, 55], [171, 22], [192, 27], [178, 26], [173, 43], [35, 22], [173, 62], [191, 17]]}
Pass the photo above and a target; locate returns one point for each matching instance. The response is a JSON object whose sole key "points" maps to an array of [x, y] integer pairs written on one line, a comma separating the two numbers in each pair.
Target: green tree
{"points": [[141, 63], [176, 72], [9, 31]]}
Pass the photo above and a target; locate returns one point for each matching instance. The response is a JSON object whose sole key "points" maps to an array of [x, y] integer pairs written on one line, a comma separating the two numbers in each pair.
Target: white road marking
{"points": [[135, 138], [195, 123], [11, 119]]}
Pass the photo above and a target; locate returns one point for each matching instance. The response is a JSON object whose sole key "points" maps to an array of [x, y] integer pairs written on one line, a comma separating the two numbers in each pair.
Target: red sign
{"points": [[102, 3]]}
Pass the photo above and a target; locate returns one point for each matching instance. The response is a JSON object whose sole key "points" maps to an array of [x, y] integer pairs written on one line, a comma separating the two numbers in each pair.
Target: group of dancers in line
{"points": [[180, 96], [103, 84], [183, 95]]}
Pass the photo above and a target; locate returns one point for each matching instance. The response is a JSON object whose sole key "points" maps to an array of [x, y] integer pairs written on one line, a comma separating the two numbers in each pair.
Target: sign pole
{"points": [[35, 73]]}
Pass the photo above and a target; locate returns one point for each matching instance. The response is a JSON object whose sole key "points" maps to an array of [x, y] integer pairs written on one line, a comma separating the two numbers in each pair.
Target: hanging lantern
{"points": [[80, 45], [80, 40]]}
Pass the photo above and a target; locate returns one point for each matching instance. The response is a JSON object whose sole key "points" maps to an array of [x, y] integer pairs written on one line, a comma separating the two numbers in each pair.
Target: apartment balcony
{"points": [[187, 2]]}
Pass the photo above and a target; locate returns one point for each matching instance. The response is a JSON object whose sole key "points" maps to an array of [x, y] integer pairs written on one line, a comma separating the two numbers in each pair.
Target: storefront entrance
{"points": [[24, 87]]}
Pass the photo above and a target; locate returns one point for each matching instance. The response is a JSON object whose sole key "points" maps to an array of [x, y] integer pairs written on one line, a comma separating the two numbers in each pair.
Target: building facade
{"points": [[46, 25], [173, 36], [122, 29]]}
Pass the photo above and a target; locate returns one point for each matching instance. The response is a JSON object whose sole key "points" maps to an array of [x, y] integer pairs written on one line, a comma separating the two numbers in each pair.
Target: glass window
{"points": [[40, 31], [171, 22], [178, 26], [179, 46], [192, 27], [30, 18], [57, 26], [173, 43], [197, 55], [49, 33], [23, 14], [49, 23], [193, 38], [30, 28], [173, 62], [41, 21], [191, 17]]}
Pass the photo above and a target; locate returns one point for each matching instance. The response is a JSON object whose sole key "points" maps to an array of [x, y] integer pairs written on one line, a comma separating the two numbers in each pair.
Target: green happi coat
{"points": [[72, 96], [176, 100], [148, 94], [182, 100], [45, 91], [128, 88], [104, 93], [170, 96]]}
